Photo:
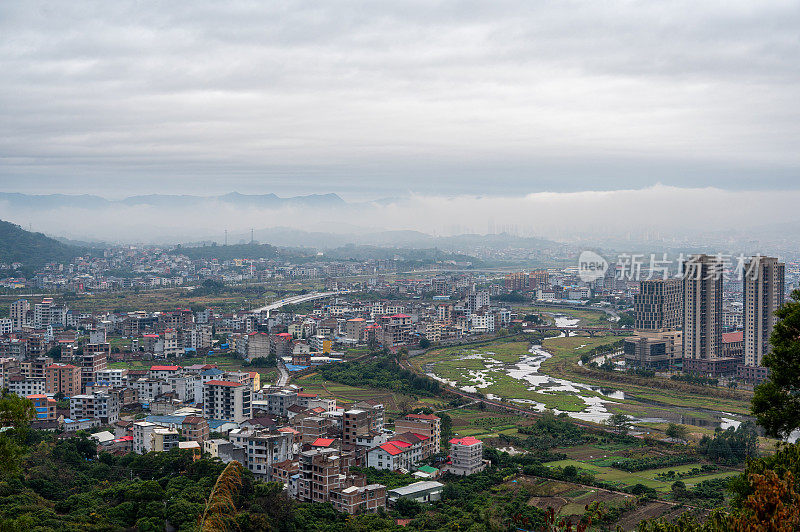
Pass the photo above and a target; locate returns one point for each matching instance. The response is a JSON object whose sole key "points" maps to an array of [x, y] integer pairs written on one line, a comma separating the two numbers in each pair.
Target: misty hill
{"points": [[87, 201], [286, 236], [33, 249], [408, 257], [238, 251]]}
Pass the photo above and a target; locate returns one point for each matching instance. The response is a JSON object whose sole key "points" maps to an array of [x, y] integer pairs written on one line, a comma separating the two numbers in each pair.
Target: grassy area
{"points": [[646, 478], [641, 399], [508, 387], [484, 367], [504, 350], [588, 317], [571, 348], [484, 424], [345, 394], [164, 299]]}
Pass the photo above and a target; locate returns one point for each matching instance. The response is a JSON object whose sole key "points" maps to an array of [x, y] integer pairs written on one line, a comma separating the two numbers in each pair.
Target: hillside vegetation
{"points": [[32, 249]]}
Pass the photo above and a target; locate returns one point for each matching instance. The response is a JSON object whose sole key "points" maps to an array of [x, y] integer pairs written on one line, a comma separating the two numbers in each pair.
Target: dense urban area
{"points": [[268, 389]]}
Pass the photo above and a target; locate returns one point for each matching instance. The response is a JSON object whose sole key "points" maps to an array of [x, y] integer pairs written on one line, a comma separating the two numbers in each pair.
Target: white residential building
{"points": [[466, 455], [115, 377], [227, 401]]}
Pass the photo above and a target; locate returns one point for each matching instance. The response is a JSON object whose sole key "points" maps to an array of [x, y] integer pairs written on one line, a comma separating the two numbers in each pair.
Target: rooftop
{"points": [[468, 440], [224, 383]]}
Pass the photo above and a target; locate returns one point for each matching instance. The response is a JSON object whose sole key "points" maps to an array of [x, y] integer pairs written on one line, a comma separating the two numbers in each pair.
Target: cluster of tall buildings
{"points": [[679, 321]]}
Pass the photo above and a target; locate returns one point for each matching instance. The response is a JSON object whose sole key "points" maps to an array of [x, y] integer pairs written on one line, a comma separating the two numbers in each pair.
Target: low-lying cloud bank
{"points": [[660, 210]]}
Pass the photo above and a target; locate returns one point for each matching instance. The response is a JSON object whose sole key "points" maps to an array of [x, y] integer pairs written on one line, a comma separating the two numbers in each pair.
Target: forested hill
{"points": [[33, 249]]}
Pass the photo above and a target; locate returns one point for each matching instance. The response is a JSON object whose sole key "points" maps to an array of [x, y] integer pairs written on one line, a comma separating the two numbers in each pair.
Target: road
{"points": [[293, 300], [283, 378]]}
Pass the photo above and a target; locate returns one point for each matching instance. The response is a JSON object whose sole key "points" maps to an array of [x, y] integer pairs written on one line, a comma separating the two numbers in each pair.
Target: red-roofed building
{"points": [[281, 344], [323, 442], [45, 407], [733, 344], [354, 329], [258, 345], [164, 372], [466, 456], [424, 424], [227, 401], [412, 443], [395, 329], [391, 456]]}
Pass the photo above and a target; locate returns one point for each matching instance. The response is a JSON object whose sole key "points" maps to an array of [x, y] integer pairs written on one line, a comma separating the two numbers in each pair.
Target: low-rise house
{"points": [[357, 499], [423, 491], [196, 428], [44, 406]]}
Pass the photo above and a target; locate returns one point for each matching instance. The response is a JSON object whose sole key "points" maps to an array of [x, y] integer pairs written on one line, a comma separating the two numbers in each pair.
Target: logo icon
{"points": [[591, 266]]}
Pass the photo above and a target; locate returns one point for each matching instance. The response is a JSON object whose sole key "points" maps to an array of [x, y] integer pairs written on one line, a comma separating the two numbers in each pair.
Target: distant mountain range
{"points": [[33, 249], [405, 239], [328, 222], [88, 201]]}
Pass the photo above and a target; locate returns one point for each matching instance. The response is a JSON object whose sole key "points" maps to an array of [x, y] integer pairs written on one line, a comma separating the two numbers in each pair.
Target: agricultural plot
{"points": [[587, 317], [648, 478], [569, 499], [508, 370], [345, 395], [485, 425]]}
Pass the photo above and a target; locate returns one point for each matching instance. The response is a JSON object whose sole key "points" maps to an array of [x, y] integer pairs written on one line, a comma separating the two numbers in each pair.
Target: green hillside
{"points": [[32, 249]]}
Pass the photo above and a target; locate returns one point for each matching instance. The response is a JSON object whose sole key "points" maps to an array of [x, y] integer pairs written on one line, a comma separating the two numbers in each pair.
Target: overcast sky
{"points": [[372, 99]]}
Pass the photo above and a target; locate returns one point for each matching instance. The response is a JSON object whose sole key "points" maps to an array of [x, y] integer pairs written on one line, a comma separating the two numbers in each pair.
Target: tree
{"points": [[733, 445], [619, 423], [424, 343], [776, 403], [679, 432], [55, 353], [773, 505], [446, 429], [15, 415]]}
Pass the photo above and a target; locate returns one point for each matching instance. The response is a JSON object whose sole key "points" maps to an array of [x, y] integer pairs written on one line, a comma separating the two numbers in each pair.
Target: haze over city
{"points": [[439, 102], [416, 265]]}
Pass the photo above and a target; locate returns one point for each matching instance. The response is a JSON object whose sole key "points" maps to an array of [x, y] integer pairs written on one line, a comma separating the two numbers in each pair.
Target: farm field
{"points": [[570, 500], [163, 300], [646, 478], [586, 318], [647, 392], [344, 394], [492, 369]]}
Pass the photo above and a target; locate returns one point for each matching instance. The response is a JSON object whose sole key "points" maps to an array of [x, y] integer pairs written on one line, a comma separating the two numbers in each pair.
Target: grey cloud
{"points": [[534, 95]]}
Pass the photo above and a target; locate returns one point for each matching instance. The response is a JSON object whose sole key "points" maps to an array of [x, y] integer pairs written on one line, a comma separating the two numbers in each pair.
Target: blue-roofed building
{"points": [[220, 425], [172, 422]]}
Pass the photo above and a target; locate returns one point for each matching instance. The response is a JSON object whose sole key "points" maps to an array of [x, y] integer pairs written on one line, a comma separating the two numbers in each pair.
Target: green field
{"points": [[484, 366], [587, 317], [646, 478], [640, 397], [344, 394]]}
